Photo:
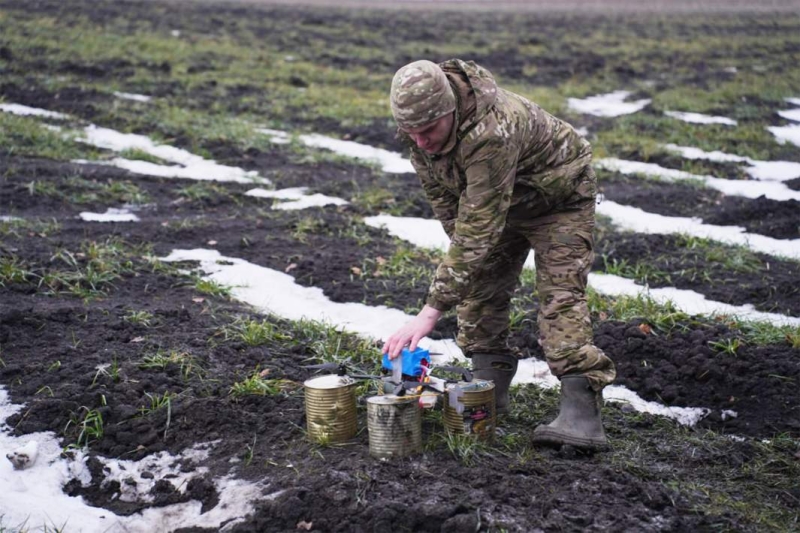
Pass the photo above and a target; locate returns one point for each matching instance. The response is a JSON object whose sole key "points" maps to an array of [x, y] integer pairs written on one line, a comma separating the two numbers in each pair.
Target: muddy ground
{"points": [[65, 354]]}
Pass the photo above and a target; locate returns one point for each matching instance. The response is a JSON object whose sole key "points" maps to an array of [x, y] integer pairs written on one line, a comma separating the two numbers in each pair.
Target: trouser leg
{"points": [[483, 316], [564, 246]]}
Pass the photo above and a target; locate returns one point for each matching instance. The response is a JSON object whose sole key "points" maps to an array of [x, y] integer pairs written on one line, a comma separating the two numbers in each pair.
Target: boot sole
{"points": [[554, 438]]}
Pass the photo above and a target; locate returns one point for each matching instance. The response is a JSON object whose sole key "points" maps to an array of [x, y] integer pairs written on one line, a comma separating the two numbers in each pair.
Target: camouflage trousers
{"points": [[564, 251]]}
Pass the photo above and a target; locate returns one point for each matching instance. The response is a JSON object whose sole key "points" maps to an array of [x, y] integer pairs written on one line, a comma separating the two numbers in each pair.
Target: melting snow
{"points": [[277, 293], [391, 162], [698, 118], [111, 215], [745, 188], [607, 105], [17, 109], [789, 133], [296, 198], [760, 170], [429, 234], [634, 219], [134, 97], [689, 302], [786, 133], [191, 166], [33, 498]]}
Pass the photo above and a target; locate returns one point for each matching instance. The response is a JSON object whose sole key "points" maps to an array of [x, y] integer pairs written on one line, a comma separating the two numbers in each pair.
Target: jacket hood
{"points": [[476, 90]]}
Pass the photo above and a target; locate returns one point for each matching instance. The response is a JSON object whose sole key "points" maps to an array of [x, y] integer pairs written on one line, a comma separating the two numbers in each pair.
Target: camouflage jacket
{"points": [[508, 152]]}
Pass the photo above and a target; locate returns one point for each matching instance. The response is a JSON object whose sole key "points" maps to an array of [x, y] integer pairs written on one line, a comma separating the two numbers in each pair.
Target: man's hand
{"points": [[410, 334]]}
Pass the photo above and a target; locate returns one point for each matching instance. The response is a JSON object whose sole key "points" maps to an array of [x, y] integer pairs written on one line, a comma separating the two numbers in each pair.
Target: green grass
{"points": [[254, 332], [199, 192], [91, 272], [13, 270], [27, 136], [136, 154], [139, 318], [20, 228], [212, 288], [163, 359], [89, 425], [258, 384]]}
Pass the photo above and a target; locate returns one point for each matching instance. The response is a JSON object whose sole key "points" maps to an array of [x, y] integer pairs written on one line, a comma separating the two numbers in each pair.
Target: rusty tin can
{"points": [[395, 426], [469, 408], [331, 408]]}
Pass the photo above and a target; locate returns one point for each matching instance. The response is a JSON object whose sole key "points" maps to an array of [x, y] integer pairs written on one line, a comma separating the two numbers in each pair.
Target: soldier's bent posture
{"points": [[503, 176]]}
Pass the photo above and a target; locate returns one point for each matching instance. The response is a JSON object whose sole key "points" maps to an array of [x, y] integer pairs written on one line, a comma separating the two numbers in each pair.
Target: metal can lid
{"points": [[471, 386], [389, 399], [330, 381]]}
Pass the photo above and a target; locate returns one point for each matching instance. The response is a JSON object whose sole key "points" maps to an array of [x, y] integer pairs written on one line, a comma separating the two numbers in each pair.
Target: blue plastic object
{"points": [[412, 361]]}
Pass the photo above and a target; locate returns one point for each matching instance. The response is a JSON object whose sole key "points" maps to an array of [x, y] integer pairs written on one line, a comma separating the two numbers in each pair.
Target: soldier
{"points": [[503, 176]]}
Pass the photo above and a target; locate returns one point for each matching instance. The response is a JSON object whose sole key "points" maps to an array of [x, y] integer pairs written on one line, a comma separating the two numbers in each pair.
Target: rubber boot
{"points": [[578, 422], [499, 368]]}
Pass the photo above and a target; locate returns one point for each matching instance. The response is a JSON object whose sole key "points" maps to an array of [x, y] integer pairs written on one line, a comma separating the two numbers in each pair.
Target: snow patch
{"points": [[33, 498], [427, 233], [635, 219], [293, 302], [132, 96], [698, 118], [607, 105], [786, 133], [760, 170], [276, 293], [689, 302], [191, 166], [296, 198], [744, 188], [391, 162], [789, 133], [18, 109], [112, 214], [8, 218]]}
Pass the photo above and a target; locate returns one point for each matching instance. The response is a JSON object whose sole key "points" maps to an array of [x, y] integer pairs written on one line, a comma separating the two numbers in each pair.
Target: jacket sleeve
{"points": [[443, 202], [490, 168]]}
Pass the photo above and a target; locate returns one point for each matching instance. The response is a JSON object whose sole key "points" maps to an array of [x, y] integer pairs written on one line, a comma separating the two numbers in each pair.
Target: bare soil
{"points": [[54, 345]]}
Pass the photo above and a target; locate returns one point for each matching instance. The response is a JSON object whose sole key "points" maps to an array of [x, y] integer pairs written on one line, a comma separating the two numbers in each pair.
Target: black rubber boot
{"points": [[499, 368], [578, 423]]}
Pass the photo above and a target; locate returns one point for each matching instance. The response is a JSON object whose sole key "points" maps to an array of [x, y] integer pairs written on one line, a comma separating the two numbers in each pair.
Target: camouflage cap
{"points": [[421, 94]]}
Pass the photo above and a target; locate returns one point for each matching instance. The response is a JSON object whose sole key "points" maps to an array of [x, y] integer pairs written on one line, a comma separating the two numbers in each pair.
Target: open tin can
{"points": [[395, 426], [331, 408], [469, 408]]}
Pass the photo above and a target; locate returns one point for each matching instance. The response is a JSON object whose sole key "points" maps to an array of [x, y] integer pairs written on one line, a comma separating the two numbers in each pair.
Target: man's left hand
{"points": [[410, 334]]}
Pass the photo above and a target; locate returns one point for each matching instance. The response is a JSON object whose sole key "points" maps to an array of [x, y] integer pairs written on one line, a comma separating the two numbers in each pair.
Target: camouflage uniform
{"points": [[510, 178]]}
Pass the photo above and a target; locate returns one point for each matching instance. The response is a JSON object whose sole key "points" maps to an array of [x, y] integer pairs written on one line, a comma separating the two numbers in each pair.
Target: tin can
{"points": [[469, 408], [331, 408], [395, 426]]}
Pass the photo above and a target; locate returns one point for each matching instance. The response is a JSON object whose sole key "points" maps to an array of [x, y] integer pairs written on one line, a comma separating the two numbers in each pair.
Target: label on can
{"points": [[477, 419]]}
